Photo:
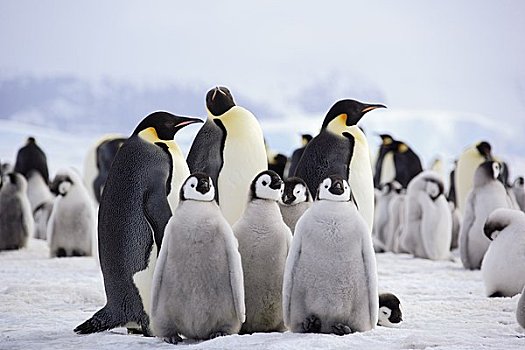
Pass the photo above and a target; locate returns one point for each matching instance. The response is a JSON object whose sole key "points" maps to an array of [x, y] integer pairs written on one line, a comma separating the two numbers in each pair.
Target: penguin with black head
{"points": [[342, 148], [134, 210]]}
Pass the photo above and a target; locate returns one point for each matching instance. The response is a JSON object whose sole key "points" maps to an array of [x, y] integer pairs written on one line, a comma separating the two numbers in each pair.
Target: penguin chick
{"points": [[503, 266], [200, 261], [390, 314], [296, 199]]}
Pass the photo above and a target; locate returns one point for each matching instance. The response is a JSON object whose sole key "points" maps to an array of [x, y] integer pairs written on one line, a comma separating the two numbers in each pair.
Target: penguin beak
{"points": [[183, 121], [337, 188], [368, 108], [203, 186], [288, 199], [276, 184]]}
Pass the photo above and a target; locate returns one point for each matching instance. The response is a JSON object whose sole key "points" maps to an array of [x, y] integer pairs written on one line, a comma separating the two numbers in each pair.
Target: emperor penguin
{"points": [[385, 169], [41, 199], [487, 195], [16, 219], [342, 148], [428, 223], [503, 267], [466, 166], [72, 224], [31, 157], [134, 210], [518, 187], [263, 236], [390, 313], [198, 289], [520, 310], [330, 277], [230, 149], [382, 214], [296, 199], [296, 155]]}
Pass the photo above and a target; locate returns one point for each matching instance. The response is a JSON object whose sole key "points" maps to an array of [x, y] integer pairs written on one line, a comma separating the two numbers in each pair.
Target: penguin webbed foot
{"points": [[496, 295], [174, 339], [78, 253], [312, 324], [61, 253], [217, 334], [101, 321], [341, 329]]}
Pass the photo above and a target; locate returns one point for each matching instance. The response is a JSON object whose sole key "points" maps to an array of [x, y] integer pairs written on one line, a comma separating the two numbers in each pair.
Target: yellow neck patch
{"points": [[402, 148], [150, 135], [338, 124], [387, 141]]}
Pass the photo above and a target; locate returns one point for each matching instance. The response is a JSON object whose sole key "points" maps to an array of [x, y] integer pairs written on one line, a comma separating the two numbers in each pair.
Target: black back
{"points": [[407, 164], [325, 155], [206, 152], [31, 157], [278, 164], [383, 150]]}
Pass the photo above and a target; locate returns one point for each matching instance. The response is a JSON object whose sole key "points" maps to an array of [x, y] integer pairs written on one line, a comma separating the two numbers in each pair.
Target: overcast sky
{"points": [[462, 56]]}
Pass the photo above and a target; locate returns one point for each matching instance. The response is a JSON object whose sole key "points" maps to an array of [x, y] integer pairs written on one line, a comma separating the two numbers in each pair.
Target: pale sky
{"points": [[454, 55]]}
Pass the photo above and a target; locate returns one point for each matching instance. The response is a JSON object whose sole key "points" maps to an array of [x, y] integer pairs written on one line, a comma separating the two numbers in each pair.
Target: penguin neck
{"points": [[263, 208]]}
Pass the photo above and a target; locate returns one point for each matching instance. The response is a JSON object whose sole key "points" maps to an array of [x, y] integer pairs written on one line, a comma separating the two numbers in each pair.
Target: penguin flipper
{"points": [[158, 212]]}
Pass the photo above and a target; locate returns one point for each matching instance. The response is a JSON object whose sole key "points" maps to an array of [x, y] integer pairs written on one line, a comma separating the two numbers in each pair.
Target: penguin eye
{"points": [[264, 183], [192, 185], [325, 186], [384, 312]]}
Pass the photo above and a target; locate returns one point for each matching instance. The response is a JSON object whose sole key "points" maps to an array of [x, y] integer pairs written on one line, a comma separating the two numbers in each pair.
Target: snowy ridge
{"points": [[444, 307]]}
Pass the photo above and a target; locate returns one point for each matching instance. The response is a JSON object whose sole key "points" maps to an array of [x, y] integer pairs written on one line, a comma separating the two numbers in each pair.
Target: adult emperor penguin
{"points": [[466, 166], [16, 219], [428, 223], [230, 148], [487, 195], [263, 236], [296, 199], [503, 267], [384, 169], [297, 154], [520, 310], [341, 148], [31, 157], [518, 187], [198, 287], [330, 278], [133, 213], [72, 224]]}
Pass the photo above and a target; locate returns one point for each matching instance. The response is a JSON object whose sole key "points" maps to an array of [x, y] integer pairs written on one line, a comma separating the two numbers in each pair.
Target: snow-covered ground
{"points": [[444, 306]]}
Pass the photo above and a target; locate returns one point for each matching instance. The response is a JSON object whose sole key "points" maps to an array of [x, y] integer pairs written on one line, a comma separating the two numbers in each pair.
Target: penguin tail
{"points": [[101, 321]]}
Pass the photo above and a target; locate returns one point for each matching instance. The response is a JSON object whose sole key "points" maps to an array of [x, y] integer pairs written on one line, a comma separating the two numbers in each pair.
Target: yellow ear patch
{"points": [[338, 124], [402, 148], [150, 135], [387, 141]]}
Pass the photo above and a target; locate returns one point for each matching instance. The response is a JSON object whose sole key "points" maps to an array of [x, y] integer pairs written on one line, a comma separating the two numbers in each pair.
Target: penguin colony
{"points": [[185, 244]]}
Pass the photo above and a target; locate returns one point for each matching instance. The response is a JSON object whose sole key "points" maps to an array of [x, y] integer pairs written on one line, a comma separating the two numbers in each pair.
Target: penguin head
{"points": [[484, 149], [15, 182], [295, 191], [434, 188], [486, 172], [198, 187], [386, 139], [334, 188], [266, 185], [519, 182], [389, 310], [347, 113], [499, 219], [162, 126], [306, 138], [391, 187], [219, 100], [61, 184]]}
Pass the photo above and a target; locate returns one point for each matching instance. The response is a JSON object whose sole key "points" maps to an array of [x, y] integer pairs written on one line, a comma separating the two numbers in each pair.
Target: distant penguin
{"points": [[296, 199], [428, 223], [396, 221], [297, 154], [198, 287], [385, 169], [106, 152], [520, 310], [277, 163], [41, 200], [263, 236], [341, 148], [503, 267], [31, 157], [487, 195], [381, 214], [90, 168], [330, 278], [134, 210], [390, 313], [518, 188], [466, 166], [230, 148], [16, 219], [451, 196], [71, 226]]}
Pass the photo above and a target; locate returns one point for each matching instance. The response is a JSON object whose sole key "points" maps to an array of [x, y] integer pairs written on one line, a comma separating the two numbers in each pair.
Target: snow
{"points": [[444, 307]]}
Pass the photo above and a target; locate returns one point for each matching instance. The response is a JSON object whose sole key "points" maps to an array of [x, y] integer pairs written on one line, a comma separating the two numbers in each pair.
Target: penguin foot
{"points": [[61, 253], [496, 295], [175, 339], [218, 334], [134, 331], [78, 253], [312, 324], [341, 329], [101, 321]]}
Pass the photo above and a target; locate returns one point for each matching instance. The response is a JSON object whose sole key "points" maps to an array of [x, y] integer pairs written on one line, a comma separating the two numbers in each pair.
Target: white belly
{"points": [[361, 182], [142, 280]]}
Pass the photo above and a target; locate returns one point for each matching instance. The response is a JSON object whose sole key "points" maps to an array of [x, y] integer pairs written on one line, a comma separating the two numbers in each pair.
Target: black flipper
{"points": [[158, 212]]}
